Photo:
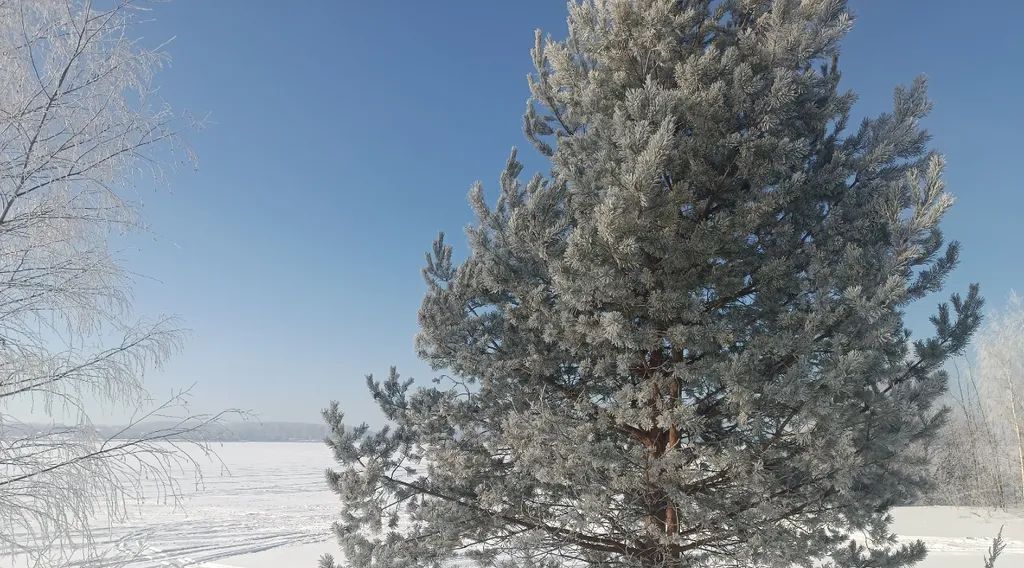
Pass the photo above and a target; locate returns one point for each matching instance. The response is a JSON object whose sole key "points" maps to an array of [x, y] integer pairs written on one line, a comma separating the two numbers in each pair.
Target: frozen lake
{"points": [[272, 497], [274, 511]]}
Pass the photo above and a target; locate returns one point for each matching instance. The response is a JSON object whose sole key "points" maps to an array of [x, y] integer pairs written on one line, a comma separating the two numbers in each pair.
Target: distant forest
{"points": [[248, 431]]}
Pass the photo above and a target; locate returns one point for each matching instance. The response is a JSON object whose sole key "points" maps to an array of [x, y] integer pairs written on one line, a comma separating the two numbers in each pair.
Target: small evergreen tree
{"points": [[684, 346]]}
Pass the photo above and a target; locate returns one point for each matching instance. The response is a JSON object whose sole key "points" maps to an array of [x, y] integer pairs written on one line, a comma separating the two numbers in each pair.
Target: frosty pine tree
{"points": [[684, 345]]}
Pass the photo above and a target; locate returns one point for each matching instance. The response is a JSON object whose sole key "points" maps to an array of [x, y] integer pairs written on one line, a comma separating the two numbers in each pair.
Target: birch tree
{"points": [[970, 463], [79, 123], [1001, 366], [684, 345]]}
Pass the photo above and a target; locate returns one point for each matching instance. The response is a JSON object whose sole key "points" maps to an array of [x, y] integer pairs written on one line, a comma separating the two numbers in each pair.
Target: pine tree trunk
{"points": [[663, 514], [671, 516]]}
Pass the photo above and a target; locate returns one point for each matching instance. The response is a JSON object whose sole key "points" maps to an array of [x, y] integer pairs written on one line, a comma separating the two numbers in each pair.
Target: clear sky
{"points": [[345, 134]]}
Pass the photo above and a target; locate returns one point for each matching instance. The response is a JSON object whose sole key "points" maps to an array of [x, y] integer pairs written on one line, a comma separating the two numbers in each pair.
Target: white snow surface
{"points": [[272, 509]]}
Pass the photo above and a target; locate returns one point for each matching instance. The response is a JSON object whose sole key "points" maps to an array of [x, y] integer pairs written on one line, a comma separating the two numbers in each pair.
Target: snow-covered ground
{"points": [[957, 537], [273, 511], [272, 497]]}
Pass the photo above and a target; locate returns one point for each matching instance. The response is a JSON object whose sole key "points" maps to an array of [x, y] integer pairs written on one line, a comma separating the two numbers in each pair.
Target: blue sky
{"points": [[344, 135]]}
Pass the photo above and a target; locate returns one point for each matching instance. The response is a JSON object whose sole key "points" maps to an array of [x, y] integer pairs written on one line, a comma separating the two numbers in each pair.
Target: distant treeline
{"points": [[248, 431]]}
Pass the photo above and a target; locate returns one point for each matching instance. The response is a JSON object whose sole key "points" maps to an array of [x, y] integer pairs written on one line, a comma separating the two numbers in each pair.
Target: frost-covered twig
{"points": [[998, 545]]}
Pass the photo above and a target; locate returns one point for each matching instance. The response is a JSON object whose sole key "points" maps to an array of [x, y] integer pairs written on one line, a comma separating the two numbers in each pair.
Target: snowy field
{"points": [[273, 511]]}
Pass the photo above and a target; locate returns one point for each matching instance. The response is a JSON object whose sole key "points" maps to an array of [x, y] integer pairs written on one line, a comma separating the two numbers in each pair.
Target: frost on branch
{"points": [[79, 123]]}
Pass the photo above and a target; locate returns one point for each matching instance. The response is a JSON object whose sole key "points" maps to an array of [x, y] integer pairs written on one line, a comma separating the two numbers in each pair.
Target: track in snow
{"points": [[274, 495]]}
